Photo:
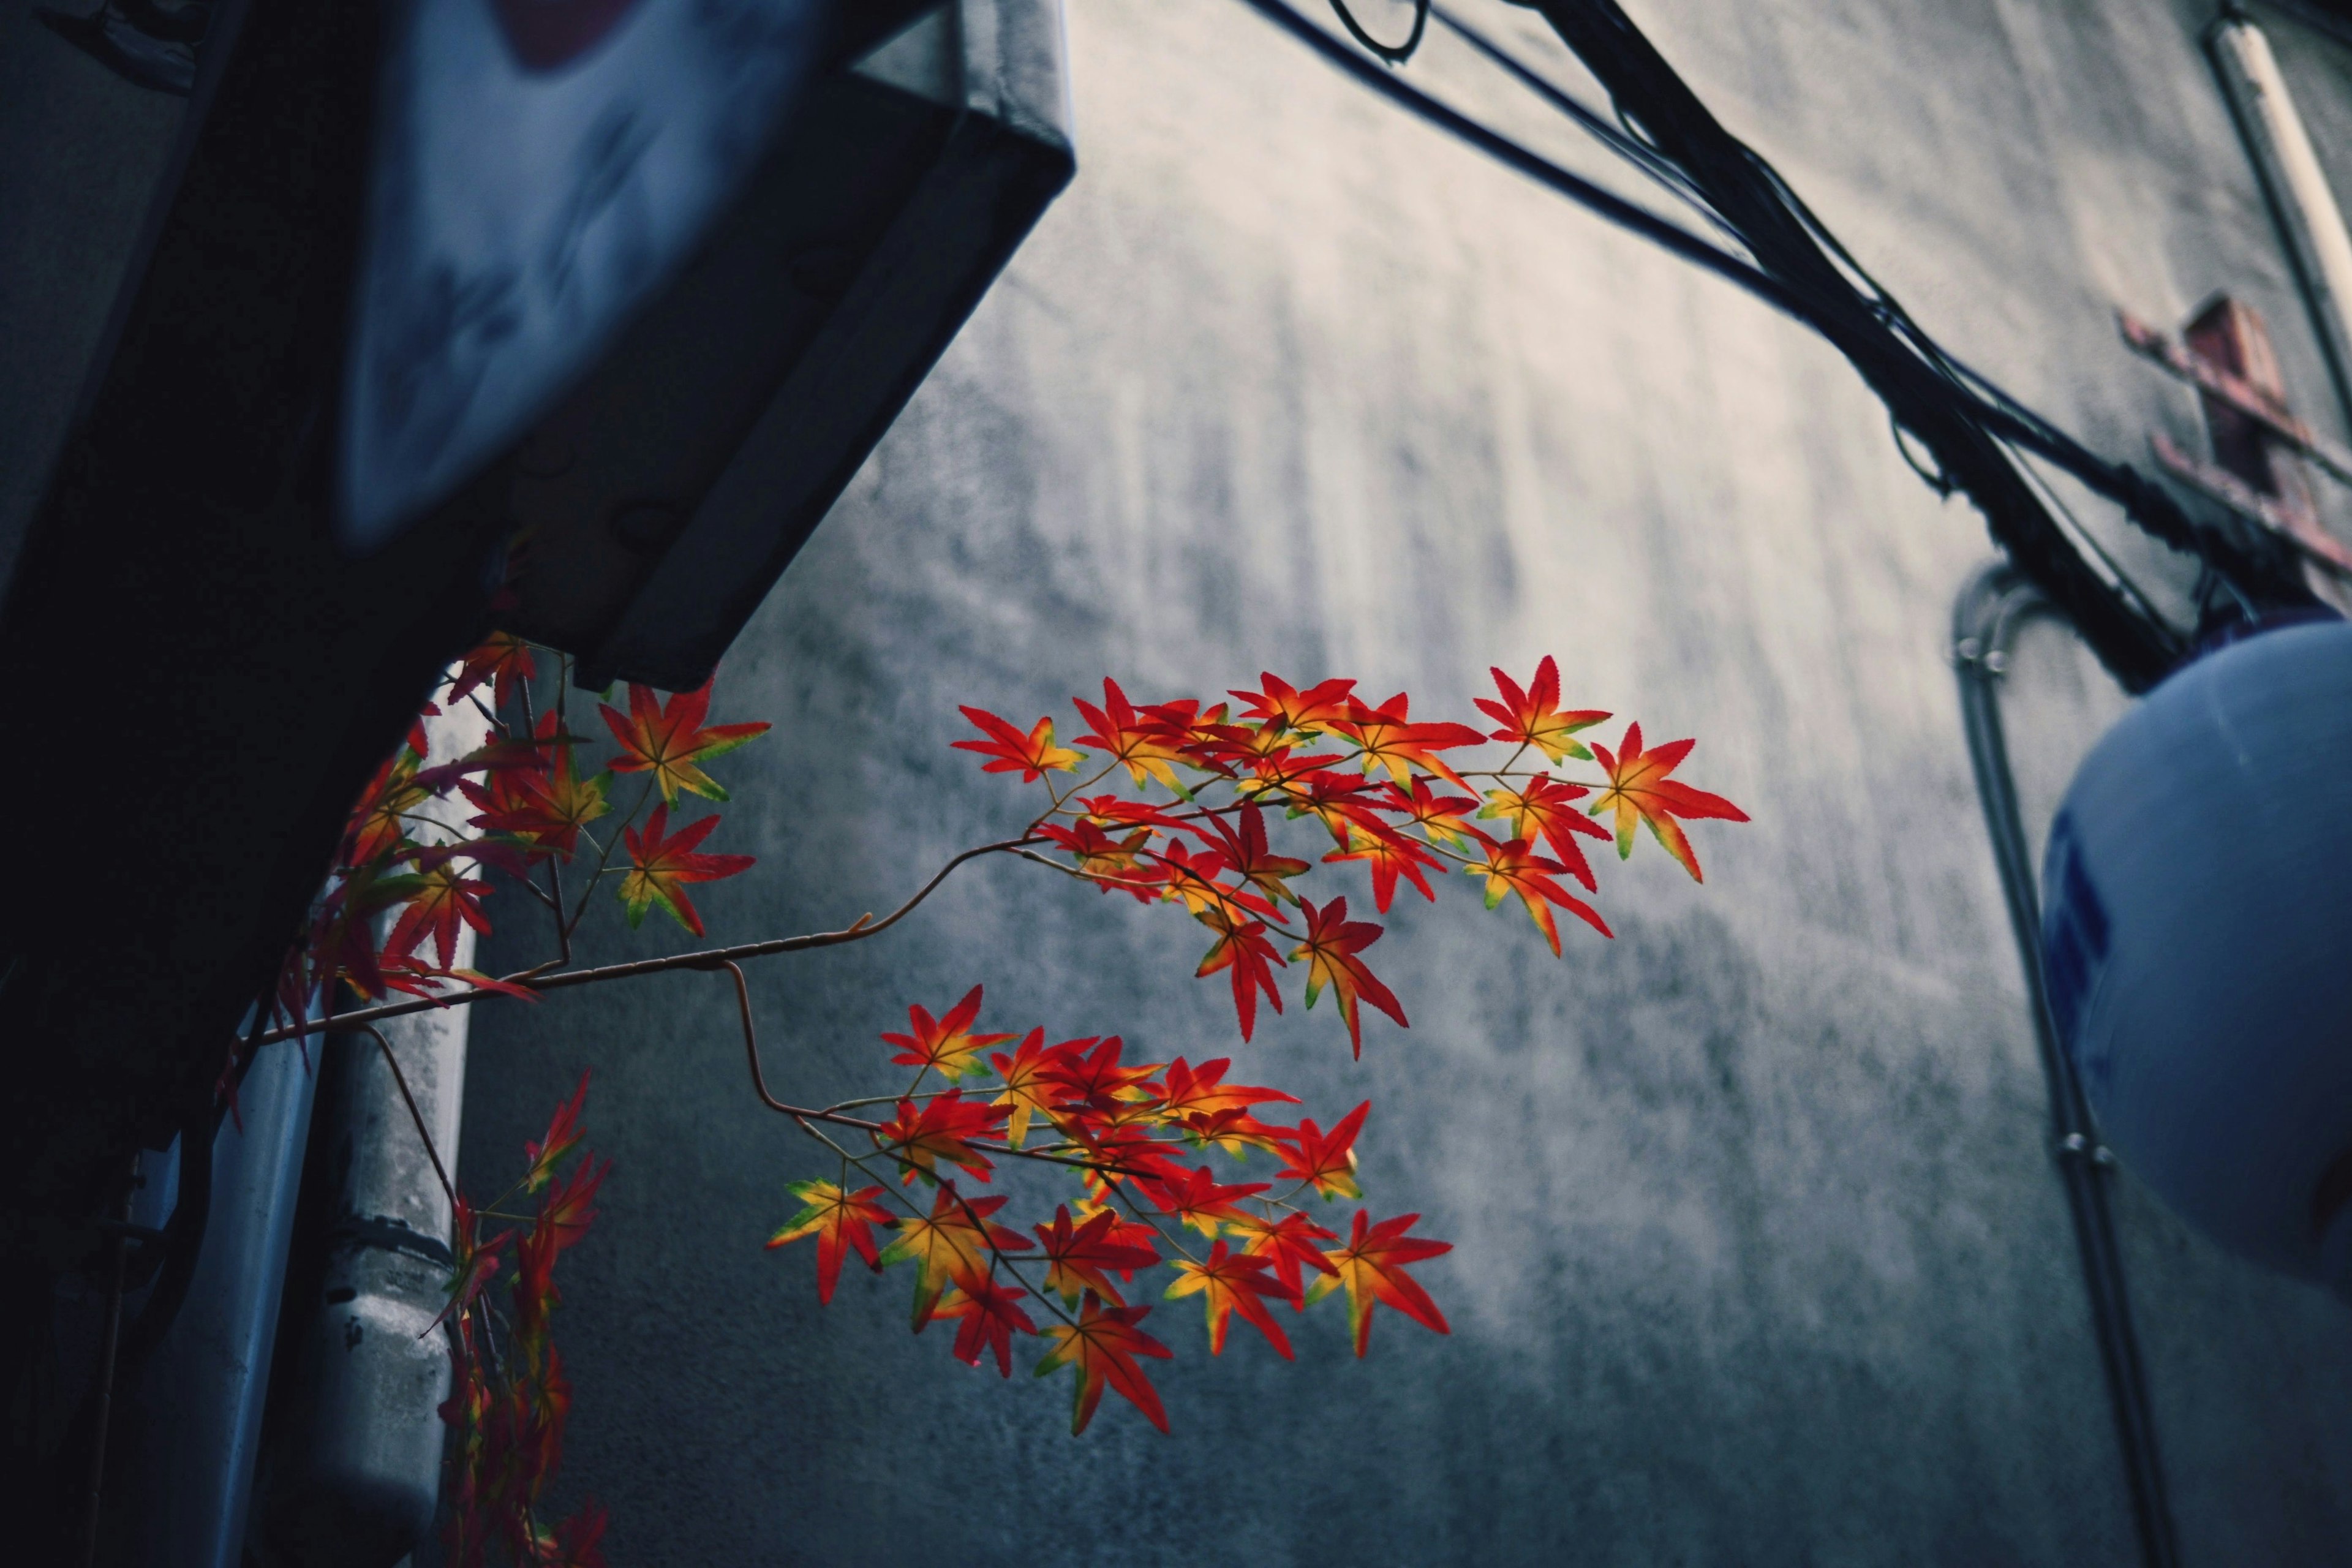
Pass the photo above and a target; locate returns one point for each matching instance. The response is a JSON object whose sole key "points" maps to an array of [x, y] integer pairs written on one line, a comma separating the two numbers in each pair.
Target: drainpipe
{"points": [[1993, 605], [2294, 183], [199, 1401], [355, 1449]]}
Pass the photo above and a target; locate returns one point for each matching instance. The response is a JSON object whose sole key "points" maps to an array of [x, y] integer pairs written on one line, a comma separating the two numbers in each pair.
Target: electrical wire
{"points": [[1973, 430]]}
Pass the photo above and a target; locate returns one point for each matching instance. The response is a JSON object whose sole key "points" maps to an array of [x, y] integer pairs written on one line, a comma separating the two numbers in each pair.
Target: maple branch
{"points": [[604, 850], [537, 979]]}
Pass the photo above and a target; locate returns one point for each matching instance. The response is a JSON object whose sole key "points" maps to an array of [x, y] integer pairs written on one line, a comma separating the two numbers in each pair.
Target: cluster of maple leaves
{"points": [[1120, 1127], [1131, 1134], [1392, 793], [509, 1398], [1318, 754]]}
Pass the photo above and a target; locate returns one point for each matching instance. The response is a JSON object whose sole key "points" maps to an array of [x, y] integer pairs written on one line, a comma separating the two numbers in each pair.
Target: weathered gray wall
{"points": [[1760, 1255]]}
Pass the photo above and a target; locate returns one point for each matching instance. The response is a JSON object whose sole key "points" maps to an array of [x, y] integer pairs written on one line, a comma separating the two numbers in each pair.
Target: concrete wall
{"points": [[1760, 1255]]}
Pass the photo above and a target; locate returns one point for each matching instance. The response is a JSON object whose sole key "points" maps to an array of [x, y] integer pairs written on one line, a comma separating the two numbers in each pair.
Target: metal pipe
{"points": [[355, 1450], [199, 1400], [2296, 186], [1993, 605]]}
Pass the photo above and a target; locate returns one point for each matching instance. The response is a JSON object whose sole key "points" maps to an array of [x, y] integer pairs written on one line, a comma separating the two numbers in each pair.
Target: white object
{"points": [[2298, 187]]}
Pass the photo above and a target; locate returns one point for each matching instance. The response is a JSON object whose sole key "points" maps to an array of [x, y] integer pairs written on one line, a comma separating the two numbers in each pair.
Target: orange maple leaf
{"points": [[669, 740], [662, 863], [1544, 807], [1102, 1345], [1437, 815], [1390, 740], [1513, 869], [1533, 718], [955, 1244], [545, 807], [946, 1044], [1388, 855], [840, 1221], [1331, 948], [1372, 1268], [1231, 1282], [1638, 786], [1031, 756]]}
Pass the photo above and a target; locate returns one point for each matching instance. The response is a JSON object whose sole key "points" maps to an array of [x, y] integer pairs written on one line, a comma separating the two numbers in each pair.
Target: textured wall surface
{"points": [[1761, 1258]]}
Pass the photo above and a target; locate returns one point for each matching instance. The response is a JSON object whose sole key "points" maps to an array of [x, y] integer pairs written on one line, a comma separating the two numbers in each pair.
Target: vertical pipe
{"points": [[355, 1452], [2297, 188], [200, 1395], [1994, 603]]}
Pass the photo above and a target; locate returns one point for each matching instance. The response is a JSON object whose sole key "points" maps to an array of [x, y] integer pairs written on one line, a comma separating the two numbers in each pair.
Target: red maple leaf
{"points": [[990, 1320], [564, 1218], [1288, 1245], [563, 1133], [1242, 947], [841, 1221], [1372, 1269], [945, 1044], [1331, 948], [1391, 740], [1081, 1257], [1145, 743], [1544, 807], [1231, 1282], [1197, 1199], [661, 864], [1389, 855], [1246, 855], [441, 896], [1513, 869], [1102, 1345], [1326, 1160], [504, 660], [1533, 718], [941, 1130], [1011, 752], [1638, 786], [1278, 706], [669, 740]]}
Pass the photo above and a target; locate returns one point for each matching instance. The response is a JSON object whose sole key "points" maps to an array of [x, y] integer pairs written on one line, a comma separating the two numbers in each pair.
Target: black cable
{"points": [[1960, 417], [1393, 54], [1993, 605], [1629, 215]]}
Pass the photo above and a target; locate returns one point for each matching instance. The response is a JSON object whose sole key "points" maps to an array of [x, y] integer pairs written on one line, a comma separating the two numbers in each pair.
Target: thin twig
{"points": [[416, 1116], [537, 978]]}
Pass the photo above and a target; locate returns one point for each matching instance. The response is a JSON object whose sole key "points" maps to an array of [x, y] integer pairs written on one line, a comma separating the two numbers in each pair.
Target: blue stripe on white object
{"points": [[2196, 943], [526, 195]]}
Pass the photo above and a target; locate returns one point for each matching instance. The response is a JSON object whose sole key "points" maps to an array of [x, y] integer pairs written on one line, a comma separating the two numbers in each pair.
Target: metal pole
{"points": [[355, 1452]]}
